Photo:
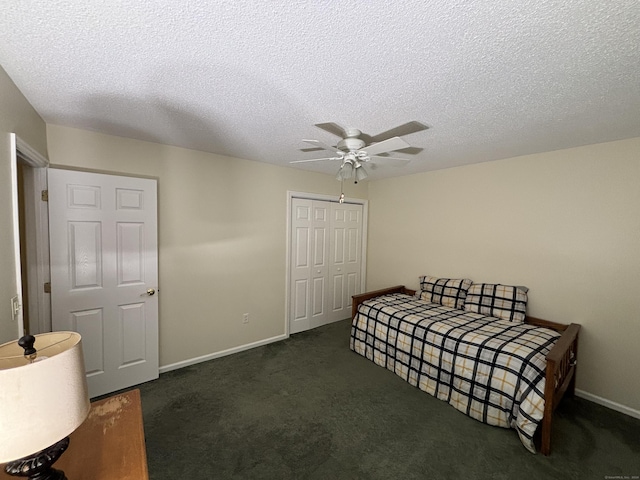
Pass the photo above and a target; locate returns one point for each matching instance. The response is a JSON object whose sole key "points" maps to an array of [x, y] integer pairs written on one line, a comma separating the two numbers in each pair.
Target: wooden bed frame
{"points": [[561, 361]]}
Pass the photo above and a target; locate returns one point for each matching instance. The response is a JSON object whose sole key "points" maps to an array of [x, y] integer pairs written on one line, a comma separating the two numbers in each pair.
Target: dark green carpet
{"points": [[308, 407]]}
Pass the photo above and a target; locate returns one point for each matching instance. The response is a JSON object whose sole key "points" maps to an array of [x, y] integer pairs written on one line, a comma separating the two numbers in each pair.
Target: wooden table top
{"points": [[109, 445]]}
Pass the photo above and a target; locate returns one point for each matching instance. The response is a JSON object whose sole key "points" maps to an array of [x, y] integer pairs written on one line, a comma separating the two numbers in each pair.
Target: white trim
{"points": [[15, 217], [618, 407], [327, 198], [37, 225], [287, 262], [37, 249], [324, 198], [30, 155], [223, 353]]}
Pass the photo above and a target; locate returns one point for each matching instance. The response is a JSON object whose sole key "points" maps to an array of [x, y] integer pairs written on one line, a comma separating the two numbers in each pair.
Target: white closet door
{"points": [[326, 262], [309, 264], [345, 258]]}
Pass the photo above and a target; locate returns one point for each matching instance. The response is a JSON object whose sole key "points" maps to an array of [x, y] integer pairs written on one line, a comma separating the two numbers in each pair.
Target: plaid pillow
{"points": [[444, 291], [501, 301]]}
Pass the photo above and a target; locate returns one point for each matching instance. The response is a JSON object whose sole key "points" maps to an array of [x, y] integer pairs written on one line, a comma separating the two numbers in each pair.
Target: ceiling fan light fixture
{"points": [[362, 156], [361, 173], [347, 169]]}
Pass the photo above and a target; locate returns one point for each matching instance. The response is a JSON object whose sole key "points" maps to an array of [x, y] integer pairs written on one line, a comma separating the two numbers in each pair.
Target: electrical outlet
{"points": [[245, 318]]}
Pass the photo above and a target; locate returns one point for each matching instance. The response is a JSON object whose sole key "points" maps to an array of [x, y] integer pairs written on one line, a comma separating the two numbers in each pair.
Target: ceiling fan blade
{"points": [[397, 159], [367, 139], [411, 150], [408, 151], [395, 143], [389, 161], [399, 131], [333, 128], [316, 160], [322, 145]]}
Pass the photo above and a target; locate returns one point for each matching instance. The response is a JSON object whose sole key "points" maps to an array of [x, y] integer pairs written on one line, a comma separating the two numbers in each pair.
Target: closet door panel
{"points": [[301, 263], [346, 247]]}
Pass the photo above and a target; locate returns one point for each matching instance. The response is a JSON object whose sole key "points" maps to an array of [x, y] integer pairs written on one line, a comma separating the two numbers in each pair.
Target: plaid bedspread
{"points": [[492, 370]]}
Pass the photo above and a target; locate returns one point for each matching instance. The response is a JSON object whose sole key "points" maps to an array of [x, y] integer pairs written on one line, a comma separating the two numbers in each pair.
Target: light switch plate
{"points": [[15, 308]]}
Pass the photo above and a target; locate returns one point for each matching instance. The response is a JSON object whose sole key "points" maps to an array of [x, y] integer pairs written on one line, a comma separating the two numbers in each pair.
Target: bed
{"points": [[507, 373]]}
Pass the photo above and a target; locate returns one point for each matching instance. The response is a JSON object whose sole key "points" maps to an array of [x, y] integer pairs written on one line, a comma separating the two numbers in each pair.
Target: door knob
{"points": [[151, 291]]}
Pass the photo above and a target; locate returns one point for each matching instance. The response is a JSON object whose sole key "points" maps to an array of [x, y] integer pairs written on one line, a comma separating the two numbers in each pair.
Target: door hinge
{"points": [[45, 195], [47, 287]]}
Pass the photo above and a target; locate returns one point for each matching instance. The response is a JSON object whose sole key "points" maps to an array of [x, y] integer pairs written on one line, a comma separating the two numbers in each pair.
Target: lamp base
{"points": [[38, 465]]}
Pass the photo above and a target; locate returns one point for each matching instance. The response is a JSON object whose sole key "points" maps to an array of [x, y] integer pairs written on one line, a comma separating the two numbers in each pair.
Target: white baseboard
{"points": [[608, 403], [223, 353]]}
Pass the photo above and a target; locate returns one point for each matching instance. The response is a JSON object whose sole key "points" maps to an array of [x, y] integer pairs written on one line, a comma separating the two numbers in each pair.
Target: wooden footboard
{"points": [[560, 378], [561, 361]]}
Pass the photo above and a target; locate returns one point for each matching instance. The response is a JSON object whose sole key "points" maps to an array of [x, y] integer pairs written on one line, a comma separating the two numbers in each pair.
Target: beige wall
{"points": [[222, 236], [565, 223], [16, 116]]}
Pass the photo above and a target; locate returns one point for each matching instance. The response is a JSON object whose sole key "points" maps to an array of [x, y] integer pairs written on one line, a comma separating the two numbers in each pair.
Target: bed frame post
{"points": [[549, 392], [571, 389], [560, 378]]}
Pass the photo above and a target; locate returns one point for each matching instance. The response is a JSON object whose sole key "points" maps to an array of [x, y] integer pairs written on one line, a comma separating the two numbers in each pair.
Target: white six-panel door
{"points": [[326, 261], [104, 273]]}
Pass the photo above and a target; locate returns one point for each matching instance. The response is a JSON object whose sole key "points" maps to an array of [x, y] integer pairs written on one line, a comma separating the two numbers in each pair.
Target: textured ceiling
{"points": [[492, 79]]}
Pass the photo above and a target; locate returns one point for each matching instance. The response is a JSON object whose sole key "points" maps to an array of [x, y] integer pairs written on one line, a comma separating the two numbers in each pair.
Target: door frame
{"points": [[37, 233], [325, 198]]}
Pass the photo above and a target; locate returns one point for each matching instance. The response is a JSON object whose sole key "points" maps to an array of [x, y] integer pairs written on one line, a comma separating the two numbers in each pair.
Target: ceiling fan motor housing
{"points": [[350, 144]]}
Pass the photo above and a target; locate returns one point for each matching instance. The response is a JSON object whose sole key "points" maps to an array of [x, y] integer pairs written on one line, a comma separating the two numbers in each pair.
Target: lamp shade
{"points": [[44, 401]]}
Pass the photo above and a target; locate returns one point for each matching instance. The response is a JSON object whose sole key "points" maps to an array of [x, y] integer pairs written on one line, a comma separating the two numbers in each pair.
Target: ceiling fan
{"points": [[356, 148]]}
